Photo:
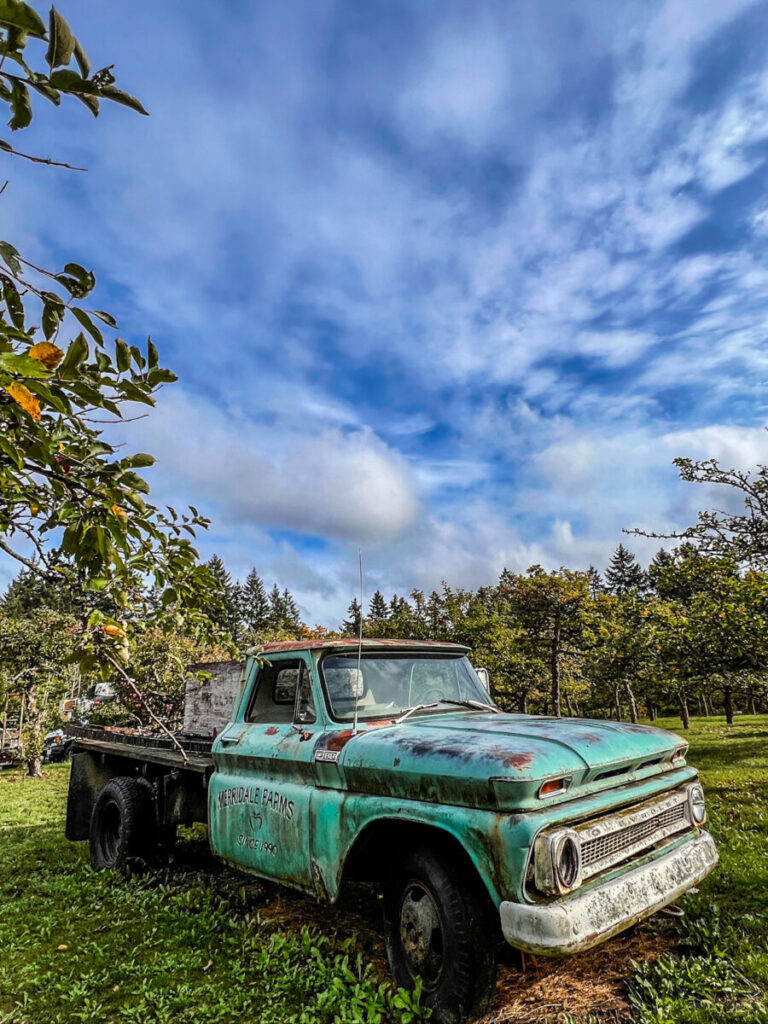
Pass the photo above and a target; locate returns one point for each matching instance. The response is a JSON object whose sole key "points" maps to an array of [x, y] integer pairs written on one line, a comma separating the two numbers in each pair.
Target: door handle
{"points": [[228, 739]]}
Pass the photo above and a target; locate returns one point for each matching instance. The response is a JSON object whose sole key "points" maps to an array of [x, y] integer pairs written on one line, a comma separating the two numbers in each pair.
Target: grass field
{"points": [[199, 944]]}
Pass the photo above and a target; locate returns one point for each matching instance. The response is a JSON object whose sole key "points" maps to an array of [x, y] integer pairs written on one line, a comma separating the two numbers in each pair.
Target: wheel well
{"points": [[378, 845]]}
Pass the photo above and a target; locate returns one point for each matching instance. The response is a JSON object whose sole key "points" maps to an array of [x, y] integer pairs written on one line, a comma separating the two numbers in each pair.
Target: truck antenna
{"points": [[360, 634]]}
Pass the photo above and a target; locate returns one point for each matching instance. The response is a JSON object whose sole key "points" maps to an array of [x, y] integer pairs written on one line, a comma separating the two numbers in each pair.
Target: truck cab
{"points": [[389, 762]]}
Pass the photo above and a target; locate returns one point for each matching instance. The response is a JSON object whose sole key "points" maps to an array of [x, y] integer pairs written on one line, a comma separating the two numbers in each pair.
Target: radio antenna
{"points": [[360, 634]]}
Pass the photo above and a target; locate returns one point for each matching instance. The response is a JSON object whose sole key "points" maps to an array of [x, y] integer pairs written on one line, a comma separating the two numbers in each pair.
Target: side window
{"points": [[275, 694]]}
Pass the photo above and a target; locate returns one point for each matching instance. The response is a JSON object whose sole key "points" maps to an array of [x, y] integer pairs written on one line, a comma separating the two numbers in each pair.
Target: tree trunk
{"points": [[33, 751], [522, 704], [652, 711], [701, 708], [728, 705], [752, 705], [554, 667], [632, 703], [707, 705], [569, 706], [617, 702], [684, 714]]}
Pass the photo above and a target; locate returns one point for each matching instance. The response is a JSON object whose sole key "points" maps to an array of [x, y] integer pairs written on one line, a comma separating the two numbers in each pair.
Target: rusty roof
{"points": [[309, 645]]}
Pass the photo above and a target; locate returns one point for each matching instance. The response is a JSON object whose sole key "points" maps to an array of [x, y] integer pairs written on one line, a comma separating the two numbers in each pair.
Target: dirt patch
{"points": [[589, 985]]}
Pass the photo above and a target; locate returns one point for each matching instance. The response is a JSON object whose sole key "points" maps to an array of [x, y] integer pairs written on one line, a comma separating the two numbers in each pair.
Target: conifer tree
{"points": [[351, 625], [624, 574], [377, 609], [291, 610], [224, 607], [254, 607], [277, 609]]}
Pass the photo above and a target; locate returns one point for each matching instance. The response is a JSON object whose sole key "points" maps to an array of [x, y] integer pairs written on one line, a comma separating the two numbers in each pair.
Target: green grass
{"points": [[186, 946], [719, 972], [189, 946]]}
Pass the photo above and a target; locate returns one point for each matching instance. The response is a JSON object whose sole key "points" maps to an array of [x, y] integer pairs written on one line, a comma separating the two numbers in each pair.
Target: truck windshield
{"points": [[387, 685]]}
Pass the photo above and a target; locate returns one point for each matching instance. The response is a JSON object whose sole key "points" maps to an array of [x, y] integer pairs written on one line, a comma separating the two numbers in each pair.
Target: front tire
{"points": [[123, 826], [438, 929]]}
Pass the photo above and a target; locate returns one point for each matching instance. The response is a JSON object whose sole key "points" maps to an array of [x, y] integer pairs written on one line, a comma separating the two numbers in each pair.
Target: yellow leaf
{"points": [[113, 630], [62, 948], [119, 512], [47, 353], [24, 397]]}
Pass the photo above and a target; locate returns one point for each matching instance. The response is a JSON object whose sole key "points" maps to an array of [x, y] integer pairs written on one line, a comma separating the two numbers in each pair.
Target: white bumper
{"points": [[581, 921]]}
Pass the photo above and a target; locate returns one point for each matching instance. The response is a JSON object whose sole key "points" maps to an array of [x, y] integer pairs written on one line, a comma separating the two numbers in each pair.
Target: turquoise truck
{"points": [[387, 762]]}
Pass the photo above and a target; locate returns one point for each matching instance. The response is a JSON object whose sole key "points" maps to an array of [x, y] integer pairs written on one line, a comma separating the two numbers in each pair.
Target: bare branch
{"points": [[38, 159]]}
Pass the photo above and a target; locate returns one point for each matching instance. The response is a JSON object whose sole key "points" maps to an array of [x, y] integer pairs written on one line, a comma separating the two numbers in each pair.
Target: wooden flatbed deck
{"points": [[141, 746]]}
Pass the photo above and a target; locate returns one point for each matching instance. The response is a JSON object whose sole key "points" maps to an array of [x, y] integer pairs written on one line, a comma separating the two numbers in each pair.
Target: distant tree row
{"points": [[691, 631]]}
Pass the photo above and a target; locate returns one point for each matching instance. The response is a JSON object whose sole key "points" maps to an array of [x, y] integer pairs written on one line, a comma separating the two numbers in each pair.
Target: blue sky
{"points": [[450, 282]]}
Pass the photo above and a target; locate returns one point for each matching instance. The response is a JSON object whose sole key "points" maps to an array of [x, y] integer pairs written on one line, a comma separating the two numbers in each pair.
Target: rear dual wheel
{"points": [[123, 824], [438, 929]]}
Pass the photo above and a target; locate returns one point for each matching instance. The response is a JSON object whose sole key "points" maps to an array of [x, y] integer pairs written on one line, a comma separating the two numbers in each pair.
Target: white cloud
{"points": [[318, 481]]}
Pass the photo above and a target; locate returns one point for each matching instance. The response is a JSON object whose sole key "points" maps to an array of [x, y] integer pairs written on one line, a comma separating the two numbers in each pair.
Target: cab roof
{"points": [[279, 646]]}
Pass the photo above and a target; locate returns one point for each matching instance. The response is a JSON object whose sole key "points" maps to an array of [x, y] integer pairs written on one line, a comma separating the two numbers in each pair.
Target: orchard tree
{"points": [[72, 505], [34, 663]]}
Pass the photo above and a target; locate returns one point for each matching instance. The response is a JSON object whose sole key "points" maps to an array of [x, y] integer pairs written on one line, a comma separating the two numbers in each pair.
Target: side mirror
{"points": [[484, 676]]}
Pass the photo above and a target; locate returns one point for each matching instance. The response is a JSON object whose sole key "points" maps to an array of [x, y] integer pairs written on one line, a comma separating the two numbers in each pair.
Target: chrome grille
{"points": [[613, 843]]}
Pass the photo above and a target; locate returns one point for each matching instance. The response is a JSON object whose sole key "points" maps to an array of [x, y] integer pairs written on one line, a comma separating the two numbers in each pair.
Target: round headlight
{"points": [[567, 860], [696, 804]]}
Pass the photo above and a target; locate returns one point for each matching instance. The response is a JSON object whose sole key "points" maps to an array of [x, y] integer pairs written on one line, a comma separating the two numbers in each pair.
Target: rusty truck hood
{"points": [[500, 761]]}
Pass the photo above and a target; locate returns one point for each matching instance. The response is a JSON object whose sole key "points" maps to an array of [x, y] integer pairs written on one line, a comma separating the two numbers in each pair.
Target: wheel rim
{"points": [[421, 934], [111, 832]]}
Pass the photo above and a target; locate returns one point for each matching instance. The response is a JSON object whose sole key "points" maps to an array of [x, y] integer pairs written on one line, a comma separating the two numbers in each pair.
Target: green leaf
{"points": [[134, 481], [21, 108], [22, 364], [14, 303], [22, 16], [111, 92], [160, 376], [152, 354], [134, 393], [106, 318], [138, 461], [89, 101], [82, 60], [46, 90], [77, 353], [122, 355], [13, 453], [138, 357], [51, 318], [10, 255], [61, 44], [85, 321]]}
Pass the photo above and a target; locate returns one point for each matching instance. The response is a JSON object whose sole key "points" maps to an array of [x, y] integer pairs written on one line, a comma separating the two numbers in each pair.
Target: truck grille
{"points": [[615, 838], [624, 838]]}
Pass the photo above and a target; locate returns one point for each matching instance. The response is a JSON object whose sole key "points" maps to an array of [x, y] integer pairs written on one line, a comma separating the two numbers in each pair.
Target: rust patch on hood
{"points": [[518, 761]]}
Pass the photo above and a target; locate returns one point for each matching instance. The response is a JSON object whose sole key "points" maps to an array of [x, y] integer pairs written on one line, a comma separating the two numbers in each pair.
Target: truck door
{"points": [[258, 801]]}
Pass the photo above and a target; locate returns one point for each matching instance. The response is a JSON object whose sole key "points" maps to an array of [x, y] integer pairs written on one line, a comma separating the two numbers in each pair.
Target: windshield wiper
{"points": [[472, 704], [416, 707], [445, 700]]}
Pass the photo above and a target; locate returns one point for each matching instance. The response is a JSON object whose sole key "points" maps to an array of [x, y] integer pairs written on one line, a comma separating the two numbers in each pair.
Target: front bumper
{"points": [[581, 921]]}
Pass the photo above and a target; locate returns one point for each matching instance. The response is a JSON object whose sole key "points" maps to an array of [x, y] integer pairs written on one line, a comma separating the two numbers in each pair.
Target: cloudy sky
{"points": [[450, 282]]}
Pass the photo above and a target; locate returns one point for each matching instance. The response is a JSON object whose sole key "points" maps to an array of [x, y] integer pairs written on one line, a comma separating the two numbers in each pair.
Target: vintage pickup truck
{"points": [[390, 763]]}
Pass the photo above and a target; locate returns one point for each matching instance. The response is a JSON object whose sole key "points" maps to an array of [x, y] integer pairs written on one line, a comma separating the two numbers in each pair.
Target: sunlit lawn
{"points": [[189, 945]]}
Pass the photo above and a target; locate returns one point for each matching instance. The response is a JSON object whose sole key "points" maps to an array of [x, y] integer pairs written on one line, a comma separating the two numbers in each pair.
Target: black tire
{"points": [[123, 825], [439, 928]]}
